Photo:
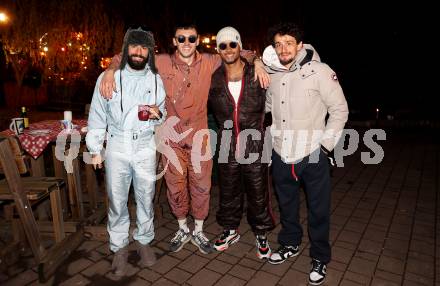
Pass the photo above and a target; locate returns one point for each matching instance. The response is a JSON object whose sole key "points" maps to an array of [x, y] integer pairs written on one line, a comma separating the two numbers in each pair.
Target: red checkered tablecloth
{"points": [[35, 139]]}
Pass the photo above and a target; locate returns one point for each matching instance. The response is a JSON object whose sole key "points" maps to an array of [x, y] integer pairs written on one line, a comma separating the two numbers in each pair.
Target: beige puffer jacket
{"points": [[300, 99]]}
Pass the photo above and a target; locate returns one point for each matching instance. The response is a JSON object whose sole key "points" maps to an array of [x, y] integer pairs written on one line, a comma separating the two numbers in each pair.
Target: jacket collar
{"points": [[246, 67], [305, 55], [128, 71]]}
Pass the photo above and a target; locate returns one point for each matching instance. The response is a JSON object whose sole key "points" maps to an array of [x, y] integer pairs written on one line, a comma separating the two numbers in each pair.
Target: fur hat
{"points": [[228, 34], [139, 37]]}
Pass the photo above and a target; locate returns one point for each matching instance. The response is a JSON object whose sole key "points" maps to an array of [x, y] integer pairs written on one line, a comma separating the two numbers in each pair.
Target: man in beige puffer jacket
{"points": [[303, 91]]}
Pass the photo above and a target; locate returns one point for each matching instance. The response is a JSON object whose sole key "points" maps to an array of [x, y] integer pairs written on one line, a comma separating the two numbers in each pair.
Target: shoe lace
{"points": [[262, 241], [224, 235], [283, 250], [178, 235], [316, 265], [202, 238]]}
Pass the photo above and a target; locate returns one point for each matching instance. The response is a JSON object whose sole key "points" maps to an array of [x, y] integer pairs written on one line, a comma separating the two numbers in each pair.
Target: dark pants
{"points": [[315, 177], [233, 177]]}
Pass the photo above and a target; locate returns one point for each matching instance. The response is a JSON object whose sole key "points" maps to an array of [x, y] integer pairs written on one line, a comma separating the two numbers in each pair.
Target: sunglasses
{"points": [[181, 39], [223, 46]]}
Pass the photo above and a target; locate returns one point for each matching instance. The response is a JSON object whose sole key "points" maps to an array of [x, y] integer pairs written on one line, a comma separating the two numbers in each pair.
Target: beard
{"points": [[136, 65], [286, 62]]}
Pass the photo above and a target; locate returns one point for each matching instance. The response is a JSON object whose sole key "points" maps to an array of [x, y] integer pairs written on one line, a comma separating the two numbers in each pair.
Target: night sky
{"points": [[380, 50], [368, 44]]}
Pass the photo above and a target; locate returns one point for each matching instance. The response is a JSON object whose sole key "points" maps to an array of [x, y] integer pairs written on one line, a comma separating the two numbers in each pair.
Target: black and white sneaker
{"points": [[179, 240], [227, 238], [317, 273], [263, 248], [202, 242], [283, 253]]}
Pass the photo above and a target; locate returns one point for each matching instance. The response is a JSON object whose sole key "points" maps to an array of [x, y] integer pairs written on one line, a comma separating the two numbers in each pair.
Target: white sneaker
{"points": [[283, 253], [263, 248], [317, 273]]}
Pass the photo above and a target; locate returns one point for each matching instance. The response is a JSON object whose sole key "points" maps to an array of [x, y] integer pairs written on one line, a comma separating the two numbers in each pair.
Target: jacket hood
{"points": [[305, 55]]}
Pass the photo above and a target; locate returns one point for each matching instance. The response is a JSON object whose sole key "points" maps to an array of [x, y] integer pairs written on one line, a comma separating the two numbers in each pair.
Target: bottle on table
{"points": [[25, 117]]}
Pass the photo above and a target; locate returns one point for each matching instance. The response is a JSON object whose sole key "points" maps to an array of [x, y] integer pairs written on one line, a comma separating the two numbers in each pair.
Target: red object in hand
{"points": [[143, 112]]}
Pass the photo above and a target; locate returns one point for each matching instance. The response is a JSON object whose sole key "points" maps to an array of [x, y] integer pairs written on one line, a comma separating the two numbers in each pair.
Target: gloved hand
{"points": [[330, 156]]}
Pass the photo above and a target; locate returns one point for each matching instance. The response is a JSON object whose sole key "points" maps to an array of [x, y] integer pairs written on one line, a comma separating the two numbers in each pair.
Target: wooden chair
{"points": [[28, 191], [72, 176], [37, 189]]}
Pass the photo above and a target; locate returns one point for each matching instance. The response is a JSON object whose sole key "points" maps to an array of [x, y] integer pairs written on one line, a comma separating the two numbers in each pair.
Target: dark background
{"points": [[382, 51], [379, 50]]}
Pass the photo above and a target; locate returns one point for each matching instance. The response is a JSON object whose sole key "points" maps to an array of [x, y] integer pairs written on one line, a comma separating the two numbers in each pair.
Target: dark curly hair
{"points": [[286, 28]]}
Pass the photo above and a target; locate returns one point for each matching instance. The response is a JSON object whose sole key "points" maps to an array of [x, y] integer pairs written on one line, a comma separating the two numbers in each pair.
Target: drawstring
{"points": [[155, 88], [293, 173], [120, 84]]}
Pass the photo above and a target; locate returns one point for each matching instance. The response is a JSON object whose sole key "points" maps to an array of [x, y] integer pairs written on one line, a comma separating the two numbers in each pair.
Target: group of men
{"points": [[140, 90]]}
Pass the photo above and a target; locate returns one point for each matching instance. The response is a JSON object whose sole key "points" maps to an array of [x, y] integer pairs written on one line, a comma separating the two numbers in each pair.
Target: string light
{"points": [[75, 50], [3, 17]]}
